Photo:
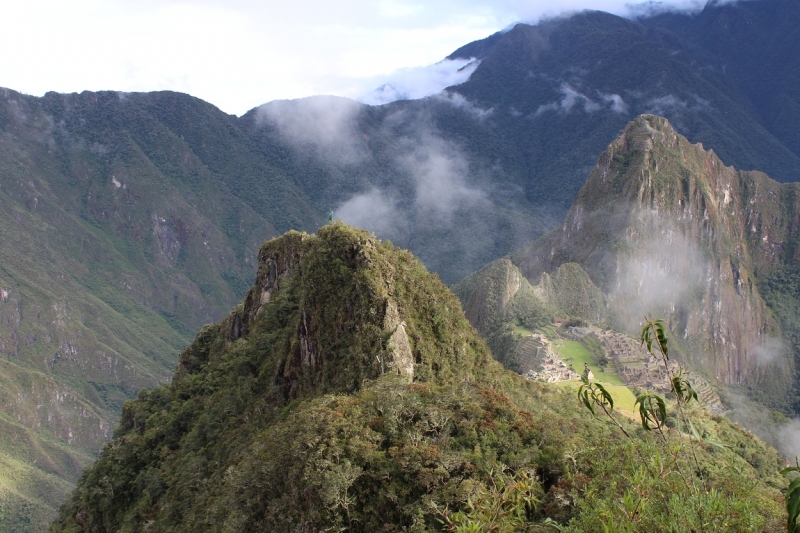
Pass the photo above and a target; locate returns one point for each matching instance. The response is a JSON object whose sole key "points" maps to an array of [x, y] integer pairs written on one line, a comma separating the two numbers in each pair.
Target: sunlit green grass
{"points": [[624, 399], [576, 353], [548, 331]]}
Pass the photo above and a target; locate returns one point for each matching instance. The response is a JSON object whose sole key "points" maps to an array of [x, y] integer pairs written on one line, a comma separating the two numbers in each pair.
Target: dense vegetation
{"points": [[781, 290], [296, 414]]}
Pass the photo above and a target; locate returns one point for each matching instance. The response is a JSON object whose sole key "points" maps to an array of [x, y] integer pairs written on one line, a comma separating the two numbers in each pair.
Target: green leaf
{"points": [[606, 396], [652, 410], [695, 434], [792, 500]]}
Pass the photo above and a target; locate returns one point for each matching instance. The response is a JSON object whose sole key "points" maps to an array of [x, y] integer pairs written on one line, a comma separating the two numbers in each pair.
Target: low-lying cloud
{"points": [[437, 171], [324, 124], [788, 439], [419, 82], [770, 350], [374, 210], [661, 272], [458, 100], [574, 99], [618, 105], [670, 104]]}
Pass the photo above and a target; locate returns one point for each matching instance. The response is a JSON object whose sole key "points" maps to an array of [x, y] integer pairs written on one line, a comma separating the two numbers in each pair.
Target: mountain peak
{"points": [[348, 308], [663, 227], [296, 414]]}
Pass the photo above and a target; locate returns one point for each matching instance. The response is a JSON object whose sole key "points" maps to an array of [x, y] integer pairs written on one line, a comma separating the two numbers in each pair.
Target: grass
{"points": [[521, 330], [624, 399], [548, 331], [576, 353]]}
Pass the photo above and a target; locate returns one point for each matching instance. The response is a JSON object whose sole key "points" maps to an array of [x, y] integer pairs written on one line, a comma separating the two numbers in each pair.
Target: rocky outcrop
{"points": [[348, 309]]}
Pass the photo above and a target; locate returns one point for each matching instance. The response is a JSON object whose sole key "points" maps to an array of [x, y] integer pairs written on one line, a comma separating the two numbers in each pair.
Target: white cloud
{"points": [[663, 274], [670, 104], [439, 178], [618, 105], [419, 82], [789, 439], [459, 101], [769, 350], [375, 211], [324, 124], [439, 171], [570, 98]]}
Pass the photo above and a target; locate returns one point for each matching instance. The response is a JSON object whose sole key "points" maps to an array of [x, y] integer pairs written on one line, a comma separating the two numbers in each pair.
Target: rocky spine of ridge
{"points": [[662, 226], [354, 315]]}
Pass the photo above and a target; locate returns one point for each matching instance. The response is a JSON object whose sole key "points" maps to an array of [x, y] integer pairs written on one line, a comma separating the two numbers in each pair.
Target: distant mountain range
{"points": [[128, 221]]}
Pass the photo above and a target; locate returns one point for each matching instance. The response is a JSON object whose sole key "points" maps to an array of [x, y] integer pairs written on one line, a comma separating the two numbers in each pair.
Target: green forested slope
{"points": [[349, 392], [116, 242]]}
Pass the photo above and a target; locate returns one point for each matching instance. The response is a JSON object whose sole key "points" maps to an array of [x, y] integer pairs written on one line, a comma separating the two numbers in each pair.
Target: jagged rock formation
{"points": [[663, 228], [570, 290], [498, 298]]}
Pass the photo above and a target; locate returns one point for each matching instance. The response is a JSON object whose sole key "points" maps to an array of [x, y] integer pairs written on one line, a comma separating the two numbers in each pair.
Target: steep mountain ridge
{"points": [[593, 72], [348, 391], [748, 41], [114, 248]]}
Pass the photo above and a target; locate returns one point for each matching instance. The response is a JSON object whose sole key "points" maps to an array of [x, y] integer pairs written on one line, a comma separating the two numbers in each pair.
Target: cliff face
{"points": [[664, 228]]}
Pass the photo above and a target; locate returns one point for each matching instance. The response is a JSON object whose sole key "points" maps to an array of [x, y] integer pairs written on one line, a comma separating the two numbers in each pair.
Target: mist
{"points": [[434, 189], [769, 351], [571, 99], [663, 272], [788, 439], [323, 125], [419, 82], [376, 211], [392, 171]]}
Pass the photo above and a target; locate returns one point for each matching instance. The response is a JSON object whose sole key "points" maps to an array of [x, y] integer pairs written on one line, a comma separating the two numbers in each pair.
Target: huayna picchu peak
{"points": [[348, 392]]}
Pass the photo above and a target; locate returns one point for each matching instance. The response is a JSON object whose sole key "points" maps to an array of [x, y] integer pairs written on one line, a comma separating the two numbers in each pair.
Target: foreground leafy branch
{"points": [[793, 498], [594, 394]]}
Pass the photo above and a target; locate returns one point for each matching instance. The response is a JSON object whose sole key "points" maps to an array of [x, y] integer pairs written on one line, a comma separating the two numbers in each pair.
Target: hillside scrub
{"points": [[299, 412]]}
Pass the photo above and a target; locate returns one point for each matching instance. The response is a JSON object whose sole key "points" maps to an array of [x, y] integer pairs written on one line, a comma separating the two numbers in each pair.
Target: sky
{"points": [[238, 54]]}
